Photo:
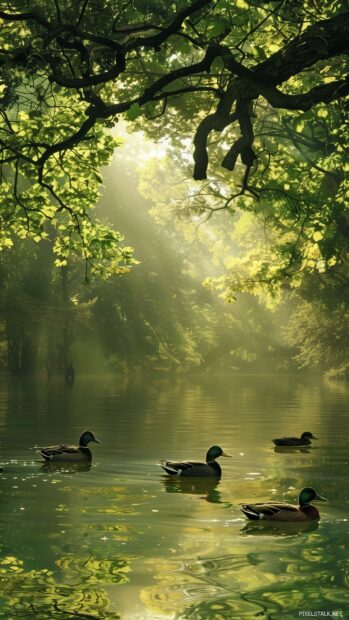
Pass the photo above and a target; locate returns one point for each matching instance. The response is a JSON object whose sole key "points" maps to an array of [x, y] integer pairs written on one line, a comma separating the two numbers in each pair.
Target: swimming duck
{"points": [[195, 469], [65, 452], [274, 511], [303, 440]]}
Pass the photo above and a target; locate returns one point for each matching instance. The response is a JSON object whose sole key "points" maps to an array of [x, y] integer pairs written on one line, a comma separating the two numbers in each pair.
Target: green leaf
{"points": [[298, 125], [98, 177], [219, 26], [134, 112], [242, 4]]}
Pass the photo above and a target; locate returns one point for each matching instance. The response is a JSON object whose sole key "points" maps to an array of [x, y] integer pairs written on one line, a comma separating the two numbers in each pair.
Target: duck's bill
{"points": [[319, 498], [96, 440], [313, 437], [225, 454]]}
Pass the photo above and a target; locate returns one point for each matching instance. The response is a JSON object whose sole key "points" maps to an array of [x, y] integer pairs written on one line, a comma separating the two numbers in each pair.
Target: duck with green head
{"points": [[280, 511], [68, 453], [196, 469]]}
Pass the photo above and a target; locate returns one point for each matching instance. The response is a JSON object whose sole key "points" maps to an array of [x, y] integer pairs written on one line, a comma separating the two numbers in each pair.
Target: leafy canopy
{"points": [[258, 87]]}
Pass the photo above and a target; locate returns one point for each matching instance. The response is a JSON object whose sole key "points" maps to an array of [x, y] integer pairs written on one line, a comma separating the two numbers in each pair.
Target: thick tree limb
{"points": [[23, 17], [217, 121], [325, 39]]}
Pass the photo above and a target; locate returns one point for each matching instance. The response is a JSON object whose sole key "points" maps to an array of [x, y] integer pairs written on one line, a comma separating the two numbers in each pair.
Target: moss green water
{"points": [[119, 540]]}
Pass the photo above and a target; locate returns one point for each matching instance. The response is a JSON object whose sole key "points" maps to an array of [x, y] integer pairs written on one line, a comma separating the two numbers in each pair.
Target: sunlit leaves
{"points": [[58, 207], [298, 125], [218, 27], [321, 336], [40, 113]]}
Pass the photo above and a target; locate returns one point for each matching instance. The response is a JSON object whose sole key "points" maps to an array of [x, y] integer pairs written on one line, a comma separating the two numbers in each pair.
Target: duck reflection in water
{"points": [[206, 487], [294, 450], [66, 468], [281, 529]]}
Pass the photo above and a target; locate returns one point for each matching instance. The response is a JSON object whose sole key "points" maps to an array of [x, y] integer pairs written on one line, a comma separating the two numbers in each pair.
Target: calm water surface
{"points": [[120, 540]]}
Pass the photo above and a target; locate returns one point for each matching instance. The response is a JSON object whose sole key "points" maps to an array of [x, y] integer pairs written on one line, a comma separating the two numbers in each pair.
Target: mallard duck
{"points": [[303, 440], [195, 469], [274, 511], [64, 452]]}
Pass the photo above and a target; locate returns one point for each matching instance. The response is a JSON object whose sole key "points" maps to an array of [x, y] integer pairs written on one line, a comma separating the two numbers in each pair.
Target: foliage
{"points": [[197, 68], [53, 201], [289, 249], [258, 88], [57, 206], [300, 216], [321, 336]]}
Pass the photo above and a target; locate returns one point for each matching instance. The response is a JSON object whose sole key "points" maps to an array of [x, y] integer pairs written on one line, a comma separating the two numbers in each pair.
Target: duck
{"points": [[287, 513], [194, 469], [303, 440], [67, 453]]}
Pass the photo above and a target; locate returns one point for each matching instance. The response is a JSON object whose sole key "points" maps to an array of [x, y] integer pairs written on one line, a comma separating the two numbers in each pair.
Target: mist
{"points": [[158, 316]]}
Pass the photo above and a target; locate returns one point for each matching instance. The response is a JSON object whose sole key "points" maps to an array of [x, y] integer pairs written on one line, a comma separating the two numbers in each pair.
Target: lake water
{"points": [[120, 540]]}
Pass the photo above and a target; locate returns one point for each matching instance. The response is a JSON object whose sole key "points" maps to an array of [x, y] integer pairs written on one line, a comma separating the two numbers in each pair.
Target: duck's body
{"points": [[303, 440], [195, 469], [68, 453], [192, 469], [287, 513]]}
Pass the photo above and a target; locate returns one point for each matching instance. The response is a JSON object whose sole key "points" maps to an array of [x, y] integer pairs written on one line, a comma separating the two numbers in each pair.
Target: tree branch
{"points": [[157, 39], [324, 39], [319, 41]]}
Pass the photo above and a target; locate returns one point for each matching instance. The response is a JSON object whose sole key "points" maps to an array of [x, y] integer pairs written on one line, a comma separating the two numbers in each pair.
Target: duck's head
{"points": [[308, 435], [214, 452], [308, 495], [86, 438]]}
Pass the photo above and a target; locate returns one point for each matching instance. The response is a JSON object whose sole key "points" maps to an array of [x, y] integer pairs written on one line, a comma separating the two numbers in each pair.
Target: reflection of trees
{"points": [[219, 610], [39, 593], [93, 570], [289, 571], [79, 534], [203, 588]]}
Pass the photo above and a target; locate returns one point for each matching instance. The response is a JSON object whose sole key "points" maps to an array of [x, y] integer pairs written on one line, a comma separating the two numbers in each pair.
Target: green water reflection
{"points": [[118, 539]]}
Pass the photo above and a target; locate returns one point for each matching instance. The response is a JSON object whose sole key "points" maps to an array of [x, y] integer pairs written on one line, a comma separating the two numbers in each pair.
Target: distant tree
{"points": [[321, 335]]}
